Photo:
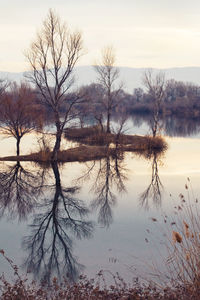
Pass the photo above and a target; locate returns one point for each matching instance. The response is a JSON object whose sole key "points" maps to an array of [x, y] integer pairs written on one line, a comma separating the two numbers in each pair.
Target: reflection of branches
{"points": [[181, 126], [50, 244], [105, 198], [19, 188], [154, 190], [107, 173], [171, 125]]}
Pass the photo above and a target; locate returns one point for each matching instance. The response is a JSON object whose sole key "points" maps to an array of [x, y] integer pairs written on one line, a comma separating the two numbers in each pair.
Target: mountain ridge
{"points": [[131, 77]]}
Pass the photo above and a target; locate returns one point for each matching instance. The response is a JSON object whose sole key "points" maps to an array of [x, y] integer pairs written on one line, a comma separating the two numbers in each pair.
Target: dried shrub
{"points": [[182, 243], [94, 136], [85, 289]]}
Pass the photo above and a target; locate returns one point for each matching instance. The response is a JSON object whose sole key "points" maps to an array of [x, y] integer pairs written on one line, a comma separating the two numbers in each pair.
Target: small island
{"points": [[94, 144]]}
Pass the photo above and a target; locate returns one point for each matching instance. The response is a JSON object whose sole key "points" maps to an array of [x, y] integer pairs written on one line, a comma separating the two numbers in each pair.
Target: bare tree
{"points": [[155, 84], [3, 86], [92, 107], [52, 57], [19, 114], [108, 75]]}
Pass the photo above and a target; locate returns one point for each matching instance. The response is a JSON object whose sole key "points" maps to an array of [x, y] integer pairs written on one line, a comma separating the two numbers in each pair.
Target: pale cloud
{"points": [[149, 47], [144, 33]]}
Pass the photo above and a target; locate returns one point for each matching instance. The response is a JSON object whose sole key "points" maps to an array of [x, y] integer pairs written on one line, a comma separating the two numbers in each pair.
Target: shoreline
{"points": [[88, 152]]}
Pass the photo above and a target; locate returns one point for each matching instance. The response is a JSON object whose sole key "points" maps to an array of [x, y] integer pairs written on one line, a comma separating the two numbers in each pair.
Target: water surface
{"points": [[76, 218]]}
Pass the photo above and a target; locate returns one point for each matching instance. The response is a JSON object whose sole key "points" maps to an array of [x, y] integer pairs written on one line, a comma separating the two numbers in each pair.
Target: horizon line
{"points": [[123, 67]]}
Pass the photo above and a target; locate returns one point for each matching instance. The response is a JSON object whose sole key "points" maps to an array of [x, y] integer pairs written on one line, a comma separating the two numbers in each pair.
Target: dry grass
{"points": [[146, 144], [94, 136], [181, 230], [143, 145], [95, 145], [89, 136], [81, 133], [184, 241], [95, 289], [81, 154]]}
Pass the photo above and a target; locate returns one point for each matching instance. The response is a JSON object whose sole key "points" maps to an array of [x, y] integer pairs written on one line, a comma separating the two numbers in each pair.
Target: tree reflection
{"points": [[108, 175], [19, 190], [154, 190], [181, 126], [61, 217], [171, 125]]}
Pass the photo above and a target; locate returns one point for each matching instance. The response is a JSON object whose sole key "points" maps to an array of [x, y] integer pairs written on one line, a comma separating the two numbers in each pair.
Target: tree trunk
{"points": [[56, 146], [101, 125], [18, 142], [108, 122], [59, 131]]}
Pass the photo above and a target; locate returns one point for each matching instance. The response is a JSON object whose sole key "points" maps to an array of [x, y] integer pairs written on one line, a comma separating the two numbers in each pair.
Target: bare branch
{"points": [[107, 76], [155, 84], [52, 57]]}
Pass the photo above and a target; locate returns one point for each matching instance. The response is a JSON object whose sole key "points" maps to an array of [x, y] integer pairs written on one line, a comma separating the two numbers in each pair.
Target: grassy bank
{"points": [[81, 154], [96, 145], [94, 136], [95, 289]]}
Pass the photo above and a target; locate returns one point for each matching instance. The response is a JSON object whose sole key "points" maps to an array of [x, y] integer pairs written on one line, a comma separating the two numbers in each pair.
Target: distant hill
{"points": [[131, 77]]}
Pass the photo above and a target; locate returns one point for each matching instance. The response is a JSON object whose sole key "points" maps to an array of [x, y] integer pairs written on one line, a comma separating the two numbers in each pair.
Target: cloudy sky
{"points": [[145, 33]]}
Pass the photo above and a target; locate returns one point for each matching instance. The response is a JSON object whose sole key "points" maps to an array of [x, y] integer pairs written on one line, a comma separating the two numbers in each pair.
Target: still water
{"points": [[74, 218]]}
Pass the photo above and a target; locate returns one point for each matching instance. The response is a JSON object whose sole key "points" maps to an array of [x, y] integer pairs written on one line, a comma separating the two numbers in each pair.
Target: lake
{"points": [[74, 218]]}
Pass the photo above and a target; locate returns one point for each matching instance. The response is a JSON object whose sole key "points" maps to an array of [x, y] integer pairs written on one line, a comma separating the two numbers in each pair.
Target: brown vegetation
{"points": [[96, 146], [85, 289], [81, 153], [94, 136], [19, 113], [184, 246]]}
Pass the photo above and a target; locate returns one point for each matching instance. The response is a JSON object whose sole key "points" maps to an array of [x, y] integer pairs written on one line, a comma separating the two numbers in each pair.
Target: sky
{"points": [[144, 33]]}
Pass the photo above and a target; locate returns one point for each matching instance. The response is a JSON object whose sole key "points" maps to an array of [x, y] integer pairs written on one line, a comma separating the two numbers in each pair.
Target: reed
{"points": [[184, 245], [181, 230]]}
